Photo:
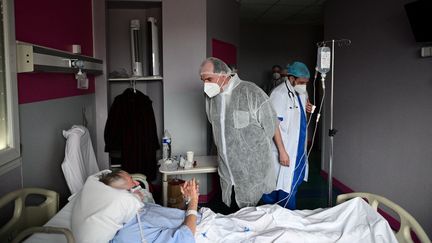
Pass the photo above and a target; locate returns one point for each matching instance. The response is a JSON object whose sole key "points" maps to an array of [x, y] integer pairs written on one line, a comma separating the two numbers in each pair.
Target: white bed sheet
{"points": [[61, 219], [352, 221]]}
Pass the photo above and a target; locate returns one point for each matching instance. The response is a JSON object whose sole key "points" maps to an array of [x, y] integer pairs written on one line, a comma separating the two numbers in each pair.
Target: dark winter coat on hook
{"points": [[131, 130]]}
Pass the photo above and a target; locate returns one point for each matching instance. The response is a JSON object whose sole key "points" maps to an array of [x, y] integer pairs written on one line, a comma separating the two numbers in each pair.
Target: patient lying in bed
{"points": [[353, 221], [155, 223]]}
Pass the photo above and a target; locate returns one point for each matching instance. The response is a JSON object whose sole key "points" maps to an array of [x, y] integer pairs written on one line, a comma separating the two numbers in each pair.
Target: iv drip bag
{"points": [[323, 59]]}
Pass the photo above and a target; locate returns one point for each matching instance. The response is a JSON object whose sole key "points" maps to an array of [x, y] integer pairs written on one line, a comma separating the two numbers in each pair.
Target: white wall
{"points": [[184, 48], [382, 105], [101, 85], [188, 27]]}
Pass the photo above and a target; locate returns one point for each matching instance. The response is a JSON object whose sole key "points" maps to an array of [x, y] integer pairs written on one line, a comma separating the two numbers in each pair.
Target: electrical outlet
{"points": [[426, 51]]}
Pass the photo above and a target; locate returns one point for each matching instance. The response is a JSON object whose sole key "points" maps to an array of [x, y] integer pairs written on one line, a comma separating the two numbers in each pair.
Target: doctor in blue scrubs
{"points": [[290, 101]]}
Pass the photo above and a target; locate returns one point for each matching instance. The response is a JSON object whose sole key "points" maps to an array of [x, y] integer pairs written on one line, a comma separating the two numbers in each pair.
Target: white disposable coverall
{"points": [[80, 160], [287, 109], [243, 123]]}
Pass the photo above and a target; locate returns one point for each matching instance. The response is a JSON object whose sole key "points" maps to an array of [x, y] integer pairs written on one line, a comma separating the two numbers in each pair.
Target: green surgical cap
{"points": [[299, 70]]}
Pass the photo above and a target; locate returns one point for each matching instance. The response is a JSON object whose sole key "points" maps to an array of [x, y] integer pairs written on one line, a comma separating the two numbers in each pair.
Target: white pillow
{"points": [[100, 211]]}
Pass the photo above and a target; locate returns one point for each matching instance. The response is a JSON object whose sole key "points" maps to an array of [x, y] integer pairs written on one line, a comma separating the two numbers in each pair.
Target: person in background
{"points": [[284, 75], [290, 101], [275, 80], [243, 124], [173, 225]]}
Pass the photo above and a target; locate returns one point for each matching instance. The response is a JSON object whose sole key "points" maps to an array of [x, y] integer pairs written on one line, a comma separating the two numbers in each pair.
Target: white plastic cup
{"points": [[189, 156]]}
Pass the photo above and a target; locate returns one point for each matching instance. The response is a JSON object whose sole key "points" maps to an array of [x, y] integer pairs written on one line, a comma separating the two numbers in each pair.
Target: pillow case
{"points": [[100, 211]]}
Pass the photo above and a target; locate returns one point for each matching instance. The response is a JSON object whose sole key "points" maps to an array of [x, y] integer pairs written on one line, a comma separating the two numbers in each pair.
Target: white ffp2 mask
{"points": [[301, 89], [211, 89], [276, 76]]}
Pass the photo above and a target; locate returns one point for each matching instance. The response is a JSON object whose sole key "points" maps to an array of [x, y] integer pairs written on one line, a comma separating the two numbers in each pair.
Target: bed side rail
{"points": [[407, 224], [148, 197], [45, 229], [27, 216]]}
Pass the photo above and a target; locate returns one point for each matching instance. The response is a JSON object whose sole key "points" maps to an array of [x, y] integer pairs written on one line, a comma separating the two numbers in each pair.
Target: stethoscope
{"points": [[292, 96]]}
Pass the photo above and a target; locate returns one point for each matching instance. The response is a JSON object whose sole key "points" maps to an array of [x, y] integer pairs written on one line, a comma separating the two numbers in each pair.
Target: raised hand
{"points": [[190, 190]]}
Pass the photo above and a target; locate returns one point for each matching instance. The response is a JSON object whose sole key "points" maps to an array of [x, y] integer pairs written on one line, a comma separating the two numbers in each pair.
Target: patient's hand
{"points": [[190, 190]]}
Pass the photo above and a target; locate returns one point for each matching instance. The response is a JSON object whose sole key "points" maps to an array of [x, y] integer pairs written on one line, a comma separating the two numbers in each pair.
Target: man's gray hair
{"points": [[219, 66], [111, 177]]}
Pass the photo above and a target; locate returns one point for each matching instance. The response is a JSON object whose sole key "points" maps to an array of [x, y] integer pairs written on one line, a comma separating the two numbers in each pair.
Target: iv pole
{"points": [[332, 131]]}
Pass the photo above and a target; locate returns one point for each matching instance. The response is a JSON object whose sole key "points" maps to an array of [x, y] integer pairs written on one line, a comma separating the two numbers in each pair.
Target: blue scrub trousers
{"points": [[285, 199]]}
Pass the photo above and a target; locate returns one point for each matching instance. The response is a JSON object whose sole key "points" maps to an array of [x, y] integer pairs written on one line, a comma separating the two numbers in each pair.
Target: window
{"points": [[9, 132], [3, 111]]}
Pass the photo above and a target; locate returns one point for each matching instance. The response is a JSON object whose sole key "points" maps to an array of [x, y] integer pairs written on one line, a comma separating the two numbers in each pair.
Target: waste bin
{"points": [[175, 197]]}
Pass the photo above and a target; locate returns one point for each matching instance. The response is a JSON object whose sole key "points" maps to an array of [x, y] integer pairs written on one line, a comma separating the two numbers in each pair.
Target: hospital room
{"points": [[216, 121]]}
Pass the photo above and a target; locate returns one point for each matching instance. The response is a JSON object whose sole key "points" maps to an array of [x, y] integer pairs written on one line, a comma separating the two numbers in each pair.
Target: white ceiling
{"points": [[282, 11]]}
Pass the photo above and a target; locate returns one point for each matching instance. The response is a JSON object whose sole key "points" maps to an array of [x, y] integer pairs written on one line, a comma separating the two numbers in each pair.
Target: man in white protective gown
{"points": [[290, 101], [243, 123]]}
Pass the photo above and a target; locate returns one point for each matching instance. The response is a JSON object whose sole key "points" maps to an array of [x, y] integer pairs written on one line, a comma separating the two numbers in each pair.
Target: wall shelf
{"points": [[146, 78]]}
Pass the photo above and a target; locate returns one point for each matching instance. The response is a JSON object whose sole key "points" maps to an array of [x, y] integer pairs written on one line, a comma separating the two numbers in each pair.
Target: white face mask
{"points": [[211, 89], [276, 76], [301, 89]]}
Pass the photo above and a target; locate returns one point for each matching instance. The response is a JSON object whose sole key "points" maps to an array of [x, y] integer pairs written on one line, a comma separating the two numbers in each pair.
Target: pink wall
{"points": [[225, 51], [57, 24]]}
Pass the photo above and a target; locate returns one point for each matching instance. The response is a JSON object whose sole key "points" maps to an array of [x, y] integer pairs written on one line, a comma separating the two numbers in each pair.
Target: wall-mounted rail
{"points": [[34, 58]]}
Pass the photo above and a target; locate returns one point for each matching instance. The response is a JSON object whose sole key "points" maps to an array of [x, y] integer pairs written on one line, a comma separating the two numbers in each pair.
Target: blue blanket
{"points": [[159, 224]]}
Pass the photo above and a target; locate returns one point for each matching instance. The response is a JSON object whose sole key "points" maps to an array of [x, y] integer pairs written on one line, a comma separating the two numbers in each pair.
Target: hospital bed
{"points": [[408, 223], [32, 220], [57, 229]]}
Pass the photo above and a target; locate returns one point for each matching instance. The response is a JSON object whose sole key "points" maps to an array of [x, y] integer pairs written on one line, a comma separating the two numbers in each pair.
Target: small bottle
{"points": [[166, 145]]}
